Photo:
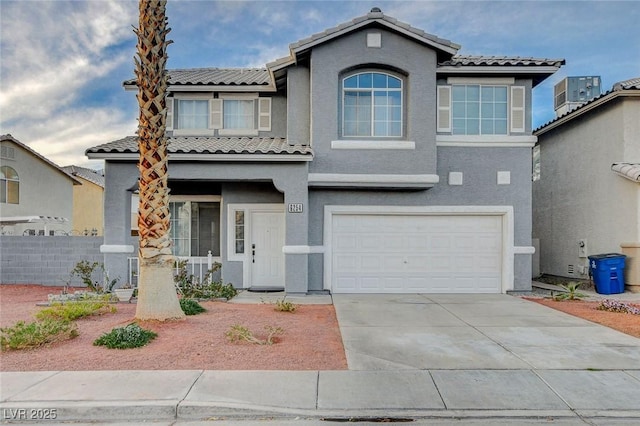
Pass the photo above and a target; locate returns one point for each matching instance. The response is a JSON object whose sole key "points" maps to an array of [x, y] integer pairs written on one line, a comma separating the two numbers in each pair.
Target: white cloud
{"points": [[64, 138], [52, 50]]}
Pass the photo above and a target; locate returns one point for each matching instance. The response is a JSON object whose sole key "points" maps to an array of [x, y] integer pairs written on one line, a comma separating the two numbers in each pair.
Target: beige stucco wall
{"points": [[88, 203], [44, 191], [578, 196]]}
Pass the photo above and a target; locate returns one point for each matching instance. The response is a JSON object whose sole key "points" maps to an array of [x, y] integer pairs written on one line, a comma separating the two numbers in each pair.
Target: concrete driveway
{"points": [[474, 332]]}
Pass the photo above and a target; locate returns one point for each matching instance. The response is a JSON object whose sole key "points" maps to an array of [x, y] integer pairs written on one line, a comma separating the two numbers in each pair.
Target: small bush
{"points": [[130, 336], [73, 310], [191, 307], [618, 306], [189, 286], [285, 306], [31, 335], [572, 293], [240, 332]]}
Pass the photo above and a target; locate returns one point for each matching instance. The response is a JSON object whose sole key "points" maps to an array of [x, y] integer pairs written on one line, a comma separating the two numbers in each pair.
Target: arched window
{"points": [[372, 105], [9, 186]]}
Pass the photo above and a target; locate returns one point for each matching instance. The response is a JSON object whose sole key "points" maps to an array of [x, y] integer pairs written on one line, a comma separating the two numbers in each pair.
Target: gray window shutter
{"points": [[215, 112], [264, 114], [444, 109], [169, 113], [517, 109]]}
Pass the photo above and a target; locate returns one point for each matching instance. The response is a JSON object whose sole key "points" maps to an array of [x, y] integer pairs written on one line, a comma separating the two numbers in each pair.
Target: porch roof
{"points": [[247, 147]]}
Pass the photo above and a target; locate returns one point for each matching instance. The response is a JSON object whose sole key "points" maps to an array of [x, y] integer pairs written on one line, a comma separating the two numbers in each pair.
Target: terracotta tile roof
{"points": [[216, 77], [630, 171], [631, 84], [85, 173], [492, 61], [210, 145]]}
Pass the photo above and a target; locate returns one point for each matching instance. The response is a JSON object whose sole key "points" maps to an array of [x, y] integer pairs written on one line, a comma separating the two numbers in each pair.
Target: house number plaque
{"points": [[295, 207]]}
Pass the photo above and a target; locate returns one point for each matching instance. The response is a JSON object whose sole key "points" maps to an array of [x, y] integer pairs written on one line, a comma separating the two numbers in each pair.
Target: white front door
{"points": [[265, 249]]}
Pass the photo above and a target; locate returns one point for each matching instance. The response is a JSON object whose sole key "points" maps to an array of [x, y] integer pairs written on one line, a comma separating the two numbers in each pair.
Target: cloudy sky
{"points": [[63, 62]]}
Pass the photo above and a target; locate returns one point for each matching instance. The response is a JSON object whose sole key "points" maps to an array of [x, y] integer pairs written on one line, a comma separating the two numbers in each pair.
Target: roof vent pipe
{"points": [[376, 10]]}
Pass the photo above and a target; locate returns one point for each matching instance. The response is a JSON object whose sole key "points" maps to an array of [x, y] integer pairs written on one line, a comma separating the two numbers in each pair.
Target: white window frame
{"points": [[5, 180], [372, 90], [238, 97], [173, 108], [480, 86]]}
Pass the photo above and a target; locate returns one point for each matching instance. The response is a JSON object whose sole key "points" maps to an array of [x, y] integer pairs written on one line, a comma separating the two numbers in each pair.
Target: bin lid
{"points": [[606, 256]]}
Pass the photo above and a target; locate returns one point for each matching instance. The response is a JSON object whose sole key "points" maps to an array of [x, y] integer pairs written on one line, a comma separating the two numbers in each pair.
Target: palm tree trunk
{"points": [[157, 297]]}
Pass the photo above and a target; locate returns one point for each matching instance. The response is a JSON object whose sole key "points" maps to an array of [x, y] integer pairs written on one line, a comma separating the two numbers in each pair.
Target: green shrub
{"points": [[31, 335], [191, 307], [129, 336], [85, 271], [240, 332], [571, 292], [73, 310], [190, 287], [284, 306]]}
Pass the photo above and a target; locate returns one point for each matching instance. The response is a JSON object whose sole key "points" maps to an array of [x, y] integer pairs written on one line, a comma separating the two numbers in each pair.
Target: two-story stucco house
{"points": [[36, 195], [88, 201], [587, 195], [372, 159]]}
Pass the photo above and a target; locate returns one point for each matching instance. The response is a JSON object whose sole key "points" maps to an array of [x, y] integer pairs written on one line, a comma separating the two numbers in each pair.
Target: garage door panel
{"points": [[416, 253]]}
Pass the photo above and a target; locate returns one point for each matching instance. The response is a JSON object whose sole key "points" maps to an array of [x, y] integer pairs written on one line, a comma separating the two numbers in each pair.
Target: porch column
{"points": [[118, 244], [296, 250]]}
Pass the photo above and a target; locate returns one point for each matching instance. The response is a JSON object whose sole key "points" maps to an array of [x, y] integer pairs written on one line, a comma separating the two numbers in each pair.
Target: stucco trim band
{"points": [[302, 249], [366, 180], [366, 144], [524, 250], [492, 141], [116, 248]]}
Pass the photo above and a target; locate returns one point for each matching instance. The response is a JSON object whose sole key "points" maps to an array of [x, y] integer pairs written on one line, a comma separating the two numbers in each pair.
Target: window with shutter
{"points": [[517, 109], [215, 108], [444, 109], [169, 113], [264, 114]]}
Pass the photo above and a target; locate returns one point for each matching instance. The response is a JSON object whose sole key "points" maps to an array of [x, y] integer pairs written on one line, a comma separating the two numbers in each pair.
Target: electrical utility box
{"points": [[572, 92]]}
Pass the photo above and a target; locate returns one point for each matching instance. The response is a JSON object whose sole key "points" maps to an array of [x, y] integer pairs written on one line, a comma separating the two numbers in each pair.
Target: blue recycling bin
{"points": [[608, 272]]}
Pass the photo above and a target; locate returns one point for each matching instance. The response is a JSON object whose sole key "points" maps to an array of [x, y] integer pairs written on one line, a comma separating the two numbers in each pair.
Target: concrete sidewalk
{"points": [[485, 359]]}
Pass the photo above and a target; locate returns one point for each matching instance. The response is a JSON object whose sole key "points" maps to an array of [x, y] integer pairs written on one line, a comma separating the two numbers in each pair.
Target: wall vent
{"points": [[570, 269], [8, 152]]}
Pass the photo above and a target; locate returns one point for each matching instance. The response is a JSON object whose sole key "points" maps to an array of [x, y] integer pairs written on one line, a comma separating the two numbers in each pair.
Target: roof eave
{"points": [[452, 49], [266, 88], [128, 156], [585, 108]]}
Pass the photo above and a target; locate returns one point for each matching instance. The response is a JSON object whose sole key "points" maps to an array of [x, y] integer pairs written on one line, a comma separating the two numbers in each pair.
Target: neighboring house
{"points": [[88, 201], [586, 197], [36, 196], [372, 159]]}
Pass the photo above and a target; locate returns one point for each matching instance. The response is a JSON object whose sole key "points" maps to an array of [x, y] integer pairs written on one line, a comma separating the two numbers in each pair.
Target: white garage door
{"points": [[416, 253]]}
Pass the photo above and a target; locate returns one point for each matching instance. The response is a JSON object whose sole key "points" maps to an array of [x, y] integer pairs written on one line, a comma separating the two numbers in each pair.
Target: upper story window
{"points": [[477, 109], [192, 113], [9, 186], [238, 114], [372, 105], [229, 114]]}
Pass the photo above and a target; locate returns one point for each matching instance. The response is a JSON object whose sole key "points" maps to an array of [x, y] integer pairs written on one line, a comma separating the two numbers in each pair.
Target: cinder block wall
{"points": [[45, 260]]}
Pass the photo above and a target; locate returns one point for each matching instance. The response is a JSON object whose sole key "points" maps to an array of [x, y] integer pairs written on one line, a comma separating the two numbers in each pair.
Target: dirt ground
{"points": [[311, 339], [626, 323]]}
